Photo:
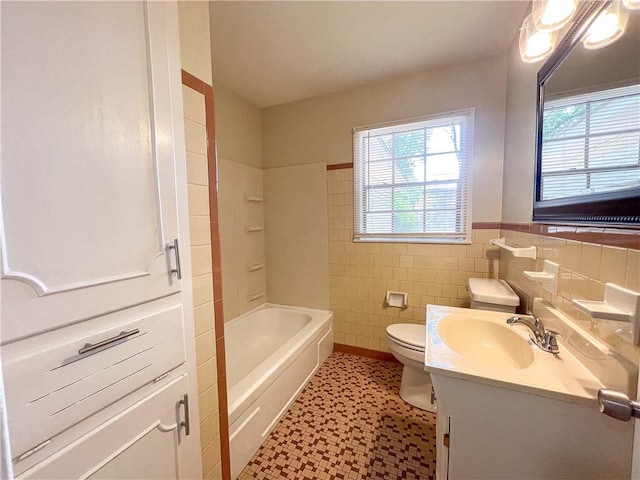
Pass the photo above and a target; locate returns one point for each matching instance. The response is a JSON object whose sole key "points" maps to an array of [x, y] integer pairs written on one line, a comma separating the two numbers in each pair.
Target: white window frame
{"points": [[463, 231]]}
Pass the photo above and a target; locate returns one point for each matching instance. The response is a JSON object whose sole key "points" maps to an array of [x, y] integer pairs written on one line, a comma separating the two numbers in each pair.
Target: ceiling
{"points": [[273, 52]]}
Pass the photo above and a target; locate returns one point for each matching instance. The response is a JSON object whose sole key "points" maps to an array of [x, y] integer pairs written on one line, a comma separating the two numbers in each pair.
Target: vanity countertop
{"points": [[474, 358]]}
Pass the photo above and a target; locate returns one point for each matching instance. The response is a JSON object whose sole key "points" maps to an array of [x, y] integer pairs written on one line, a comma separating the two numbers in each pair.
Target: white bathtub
{"points": [[271, 354]]}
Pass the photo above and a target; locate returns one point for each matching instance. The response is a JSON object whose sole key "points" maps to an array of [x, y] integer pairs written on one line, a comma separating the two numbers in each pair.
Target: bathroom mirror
{"points": [[588, 128]]}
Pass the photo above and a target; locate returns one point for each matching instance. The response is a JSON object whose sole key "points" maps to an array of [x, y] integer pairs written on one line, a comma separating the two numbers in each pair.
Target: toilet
{"points": [[407, 341]]}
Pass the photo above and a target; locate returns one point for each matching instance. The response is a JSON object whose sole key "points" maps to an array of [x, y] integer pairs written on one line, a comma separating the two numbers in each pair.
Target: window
{"points": [[413, 180], [591, 143]]}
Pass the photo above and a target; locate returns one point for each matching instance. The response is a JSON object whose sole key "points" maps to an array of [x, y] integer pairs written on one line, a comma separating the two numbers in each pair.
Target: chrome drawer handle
{"points": [[178, 270], [90, 347], [186, 423]]}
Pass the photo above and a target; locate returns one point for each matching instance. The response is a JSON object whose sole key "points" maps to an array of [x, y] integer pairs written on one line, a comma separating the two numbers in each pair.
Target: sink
{"points": [[489, 343]]}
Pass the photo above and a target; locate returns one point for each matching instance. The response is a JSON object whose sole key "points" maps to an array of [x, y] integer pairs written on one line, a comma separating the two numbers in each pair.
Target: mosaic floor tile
{"points": [[349, 423]]}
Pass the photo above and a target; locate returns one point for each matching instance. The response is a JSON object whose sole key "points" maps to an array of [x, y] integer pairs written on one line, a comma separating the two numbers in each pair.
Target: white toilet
{"points": [[406, 340]]}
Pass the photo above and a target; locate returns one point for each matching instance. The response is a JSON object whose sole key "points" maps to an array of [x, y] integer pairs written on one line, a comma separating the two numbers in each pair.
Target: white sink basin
{"points": [[478, 345], [486, 342]]}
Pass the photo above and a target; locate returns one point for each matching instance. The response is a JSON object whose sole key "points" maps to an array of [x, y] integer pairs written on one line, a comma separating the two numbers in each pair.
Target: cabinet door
{"points": [[90, 103], [143, 442]]}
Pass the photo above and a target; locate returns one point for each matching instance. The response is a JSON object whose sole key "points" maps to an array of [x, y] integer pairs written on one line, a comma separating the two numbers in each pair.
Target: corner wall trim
{"points": [[364, 352], [339, 166]]}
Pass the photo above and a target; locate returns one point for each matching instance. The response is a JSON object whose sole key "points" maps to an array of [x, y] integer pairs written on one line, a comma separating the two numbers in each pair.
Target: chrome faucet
{"points": [[543, 338]]}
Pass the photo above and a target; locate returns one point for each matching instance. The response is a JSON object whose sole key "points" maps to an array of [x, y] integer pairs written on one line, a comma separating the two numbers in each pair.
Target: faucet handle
{"points": [[550, 342]]}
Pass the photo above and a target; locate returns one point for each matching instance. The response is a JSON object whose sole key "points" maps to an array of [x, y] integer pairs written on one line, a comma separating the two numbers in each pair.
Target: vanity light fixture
{"points": [[607, 27], [538, 33], [550, 15], [535, 44]]}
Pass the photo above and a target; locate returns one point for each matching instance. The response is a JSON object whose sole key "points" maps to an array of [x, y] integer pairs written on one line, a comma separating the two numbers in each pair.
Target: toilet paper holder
{"points": [[396, 299]]}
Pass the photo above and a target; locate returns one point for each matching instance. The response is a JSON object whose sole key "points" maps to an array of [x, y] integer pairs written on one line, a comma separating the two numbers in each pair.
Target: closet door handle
{"points": [[178, 270], [90, 347], [186, 422]]}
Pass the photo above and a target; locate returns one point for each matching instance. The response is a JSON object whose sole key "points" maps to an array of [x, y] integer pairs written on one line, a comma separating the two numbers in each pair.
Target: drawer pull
{"points": [[186, 423], [90, 347]]}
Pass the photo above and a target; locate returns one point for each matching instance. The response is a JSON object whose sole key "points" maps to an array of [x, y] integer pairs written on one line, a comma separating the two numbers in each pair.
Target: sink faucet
{"points": [[543, 338]]}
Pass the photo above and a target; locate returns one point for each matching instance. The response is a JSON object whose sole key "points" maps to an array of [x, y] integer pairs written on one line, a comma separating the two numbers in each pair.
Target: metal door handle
{"points": [[185, 423], [617, 405], [90, 347], [178, 270]]}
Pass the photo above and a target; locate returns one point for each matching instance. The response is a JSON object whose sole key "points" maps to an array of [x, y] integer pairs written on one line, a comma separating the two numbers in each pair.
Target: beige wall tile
{"points": [[204, 318], [207, 375], [633, 271], [210, 456], [198, 200], [205, 347], [197, 169], [193, 105], [581, 277], [209, 430], [195, 137], [208, 402], [614, 265], [201, 260], [199, 230], [202, 289]]}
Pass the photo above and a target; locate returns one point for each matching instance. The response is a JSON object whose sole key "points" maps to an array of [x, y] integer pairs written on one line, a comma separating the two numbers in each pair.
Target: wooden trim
{"points": [[196, 84], [205, 89], [612, 237], [339, 166], [485, 226], [364, 352]]}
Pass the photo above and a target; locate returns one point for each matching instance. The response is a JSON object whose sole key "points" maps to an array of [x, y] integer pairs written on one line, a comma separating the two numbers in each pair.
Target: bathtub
{"points": [[271, 354]]}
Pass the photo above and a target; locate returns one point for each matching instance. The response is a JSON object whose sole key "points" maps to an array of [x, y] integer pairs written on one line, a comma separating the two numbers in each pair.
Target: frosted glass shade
{"points": [[608, 26], [631, 4], [535, 44], [552, 15]]}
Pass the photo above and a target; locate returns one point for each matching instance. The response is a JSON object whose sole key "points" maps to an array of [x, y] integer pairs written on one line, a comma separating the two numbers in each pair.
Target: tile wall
{"points": [[242, 237], [203, 301], [360, 274], [585, 267]]}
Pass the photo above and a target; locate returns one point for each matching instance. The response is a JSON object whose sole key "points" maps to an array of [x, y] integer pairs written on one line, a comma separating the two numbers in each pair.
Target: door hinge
{"points": [[446, 440]]}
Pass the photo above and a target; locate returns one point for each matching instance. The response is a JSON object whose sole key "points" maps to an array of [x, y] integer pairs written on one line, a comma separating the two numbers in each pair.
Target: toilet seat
{"points": [[408, 335]]}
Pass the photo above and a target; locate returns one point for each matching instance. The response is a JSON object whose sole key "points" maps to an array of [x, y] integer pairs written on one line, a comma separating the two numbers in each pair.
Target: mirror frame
{"points": [[617, 208]]}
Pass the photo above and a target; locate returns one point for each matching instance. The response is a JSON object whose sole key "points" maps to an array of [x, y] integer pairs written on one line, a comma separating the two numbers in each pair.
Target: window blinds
{"points": [[591, 143], [412, 180]]}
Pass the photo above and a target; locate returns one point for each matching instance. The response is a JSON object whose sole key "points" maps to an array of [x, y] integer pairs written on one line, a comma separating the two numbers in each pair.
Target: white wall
{"points": [[297, 244], [519, 139], [195, 44], [319, 129], [238, 128]]}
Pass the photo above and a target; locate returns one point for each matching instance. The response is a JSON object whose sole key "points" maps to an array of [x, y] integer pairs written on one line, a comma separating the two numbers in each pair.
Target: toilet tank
{"points": [[491, 294]]}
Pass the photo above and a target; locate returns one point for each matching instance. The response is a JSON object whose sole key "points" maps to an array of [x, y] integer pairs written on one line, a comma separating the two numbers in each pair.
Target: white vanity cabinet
{"points": [[96, 324], [490, 432]]}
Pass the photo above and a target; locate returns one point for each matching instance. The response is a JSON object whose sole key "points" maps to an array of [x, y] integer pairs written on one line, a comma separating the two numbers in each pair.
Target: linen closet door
{"points": [[94, 316], [87, 166]]}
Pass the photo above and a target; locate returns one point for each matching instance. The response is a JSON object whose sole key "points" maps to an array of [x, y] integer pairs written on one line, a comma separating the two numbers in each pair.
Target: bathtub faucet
{"points": [[543, 338]]}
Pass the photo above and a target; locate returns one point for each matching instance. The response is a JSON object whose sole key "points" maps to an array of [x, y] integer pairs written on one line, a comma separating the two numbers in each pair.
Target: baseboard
{"points": [[364, 352]]}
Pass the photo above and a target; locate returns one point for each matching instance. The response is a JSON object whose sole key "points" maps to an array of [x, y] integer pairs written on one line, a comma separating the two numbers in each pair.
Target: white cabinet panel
{"points": [[63, 383], [88, 178], [143, 442]]}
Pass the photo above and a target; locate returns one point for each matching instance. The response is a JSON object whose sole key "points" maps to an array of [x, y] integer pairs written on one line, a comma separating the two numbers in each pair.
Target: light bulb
{"points": [[608, 26], [535, 44], [553, 14], [631, 4]]}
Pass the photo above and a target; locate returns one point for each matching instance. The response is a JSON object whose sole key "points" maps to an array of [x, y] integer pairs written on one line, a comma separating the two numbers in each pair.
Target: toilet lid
{"points": [[408, 333]]}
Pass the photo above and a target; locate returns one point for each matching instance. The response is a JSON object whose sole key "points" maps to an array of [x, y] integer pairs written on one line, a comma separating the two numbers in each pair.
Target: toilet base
{"points": [[415, 389]]}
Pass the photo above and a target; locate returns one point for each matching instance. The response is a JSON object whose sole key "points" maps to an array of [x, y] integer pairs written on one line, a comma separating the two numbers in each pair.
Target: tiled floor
{"points": [[349, 423]]}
